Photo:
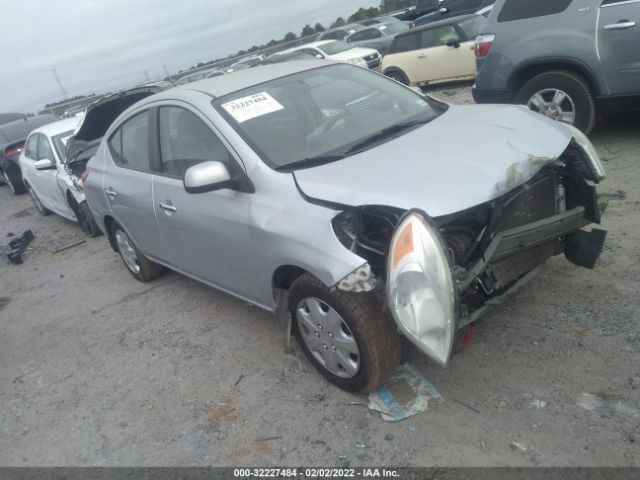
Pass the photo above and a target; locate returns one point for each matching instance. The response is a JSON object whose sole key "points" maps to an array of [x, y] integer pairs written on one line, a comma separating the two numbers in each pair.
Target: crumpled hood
{"points": [[467, 156]]}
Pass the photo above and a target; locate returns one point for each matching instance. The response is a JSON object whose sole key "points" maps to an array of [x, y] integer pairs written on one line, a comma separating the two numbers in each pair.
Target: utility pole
{"points": [[55, 74], [146, 76], [166, 70]]}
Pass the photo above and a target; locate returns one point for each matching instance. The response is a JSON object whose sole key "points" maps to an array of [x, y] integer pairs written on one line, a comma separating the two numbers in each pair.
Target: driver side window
{"points": [[31, 150], [185, 140], [44, 149]]}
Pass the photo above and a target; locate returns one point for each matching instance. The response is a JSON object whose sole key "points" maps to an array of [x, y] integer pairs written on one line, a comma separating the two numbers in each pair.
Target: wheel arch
{"points": [[539, 66], [397, 70]]}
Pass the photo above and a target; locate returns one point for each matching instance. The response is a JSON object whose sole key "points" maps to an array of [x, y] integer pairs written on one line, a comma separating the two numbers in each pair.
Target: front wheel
{"points": [[36, 201], [138, 265], [346, 336], [397, 76], [561, 95]]}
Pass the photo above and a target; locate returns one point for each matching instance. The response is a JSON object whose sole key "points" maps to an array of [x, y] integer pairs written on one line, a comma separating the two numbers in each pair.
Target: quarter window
{"points": [[523, 9], [130, 143], [185, 140], [31, 149], [436, 37]]}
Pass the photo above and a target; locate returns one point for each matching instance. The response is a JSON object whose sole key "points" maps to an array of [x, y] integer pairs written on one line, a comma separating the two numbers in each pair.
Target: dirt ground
{"points": [[99, 369]]}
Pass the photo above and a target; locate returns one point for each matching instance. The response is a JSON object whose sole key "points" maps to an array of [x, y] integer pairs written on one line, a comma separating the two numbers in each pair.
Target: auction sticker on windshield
{"points": [[257, 105]]}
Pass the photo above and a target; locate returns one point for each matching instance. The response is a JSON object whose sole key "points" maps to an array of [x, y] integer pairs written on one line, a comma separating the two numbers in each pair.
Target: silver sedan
{"points": [[353, 207]]}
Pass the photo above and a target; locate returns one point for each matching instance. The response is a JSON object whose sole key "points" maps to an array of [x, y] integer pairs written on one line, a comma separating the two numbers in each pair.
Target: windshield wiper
{"points": [[385, 134], [309, 162]]}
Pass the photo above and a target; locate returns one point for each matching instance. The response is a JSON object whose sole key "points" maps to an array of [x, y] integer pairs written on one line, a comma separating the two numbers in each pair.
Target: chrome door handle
{"points": [[167, 207], [110, 192], [622, 25]]}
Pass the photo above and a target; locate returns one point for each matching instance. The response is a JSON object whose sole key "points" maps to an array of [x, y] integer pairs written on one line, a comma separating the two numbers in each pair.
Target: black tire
{"points": [[398, 76], [148, 270], [42, 210], [574, 85], [86, 221], [17, 187], [377, 340]]}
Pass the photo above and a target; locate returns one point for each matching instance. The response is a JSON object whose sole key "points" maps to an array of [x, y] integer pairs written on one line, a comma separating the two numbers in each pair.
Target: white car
{"points": [[339, 51], [52, 186], [435, 53]]}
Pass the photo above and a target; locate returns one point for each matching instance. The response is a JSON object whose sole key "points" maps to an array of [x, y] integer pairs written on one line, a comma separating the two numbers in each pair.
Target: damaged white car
{"points": [[352, 206], [54, 188]]}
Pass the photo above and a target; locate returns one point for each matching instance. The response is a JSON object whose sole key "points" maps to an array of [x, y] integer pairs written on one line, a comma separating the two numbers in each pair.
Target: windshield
{"points": [[332, 48], [323, 114], [60, 143]]}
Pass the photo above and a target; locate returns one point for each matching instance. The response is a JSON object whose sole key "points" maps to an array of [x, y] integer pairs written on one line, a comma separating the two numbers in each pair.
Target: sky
{"points": [[97, 46]]}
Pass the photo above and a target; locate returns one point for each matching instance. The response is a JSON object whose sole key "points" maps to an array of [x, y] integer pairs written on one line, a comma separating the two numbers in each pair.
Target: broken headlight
{"points": [[420, 288], [590, 151]]}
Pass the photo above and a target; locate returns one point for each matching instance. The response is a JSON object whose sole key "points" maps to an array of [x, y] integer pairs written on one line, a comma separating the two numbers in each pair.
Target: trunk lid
{"points": [[98, 118]]}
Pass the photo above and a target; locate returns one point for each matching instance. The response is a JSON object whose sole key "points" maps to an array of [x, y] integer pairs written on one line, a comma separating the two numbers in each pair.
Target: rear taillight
{"points": [[84, 175], [483, 45], [13, 150]]}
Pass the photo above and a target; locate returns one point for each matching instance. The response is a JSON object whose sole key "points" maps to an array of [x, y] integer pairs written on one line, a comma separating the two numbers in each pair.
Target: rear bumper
{"points": [[485, 95]]}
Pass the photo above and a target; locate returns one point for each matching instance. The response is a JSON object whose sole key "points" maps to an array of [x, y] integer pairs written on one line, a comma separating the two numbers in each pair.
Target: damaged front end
{"points": [[440, 274]]}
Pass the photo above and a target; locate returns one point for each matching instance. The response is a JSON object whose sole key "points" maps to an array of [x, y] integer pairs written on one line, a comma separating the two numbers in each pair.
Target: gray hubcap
{"points": [[328, 337], [127, 251], [555, 104]]}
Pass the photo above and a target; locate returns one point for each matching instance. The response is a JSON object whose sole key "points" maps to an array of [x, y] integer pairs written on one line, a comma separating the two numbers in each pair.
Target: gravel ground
{"points": [[99, 369]]}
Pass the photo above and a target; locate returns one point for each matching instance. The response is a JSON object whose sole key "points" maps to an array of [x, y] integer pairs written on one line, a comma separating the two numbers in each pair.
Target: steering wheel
{"points": [[331, 121]]}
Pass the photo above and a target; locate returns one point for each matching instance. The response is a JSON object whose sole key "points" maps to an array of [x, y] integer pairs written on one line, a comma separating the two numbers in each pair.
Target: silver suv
{"points": [[567, 59]]}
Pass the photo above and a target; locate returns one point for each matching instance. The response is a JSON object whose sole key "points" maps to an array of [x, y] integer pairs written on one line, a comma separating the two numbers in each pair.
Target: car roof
{"points": [[224, 85], [347, 27], [439, 23], [18, 130], [56, 128]]}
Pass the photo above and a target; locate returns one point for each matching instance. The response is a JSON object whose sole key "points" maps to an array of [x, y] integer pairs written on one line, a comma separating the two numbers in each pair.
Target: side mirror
{"points": [[207, 177], [319, 55], [444, 10], [453, 43], [45, 164], [417, 90]]}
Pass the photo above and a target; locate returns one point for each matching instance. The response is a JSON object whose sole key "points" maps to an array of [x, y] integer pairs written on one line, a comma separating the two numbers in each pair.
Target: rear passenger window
{"points": [[130, 143], [405, 43], [31, 150], [436, 37], [522, 9], [185, 140]]}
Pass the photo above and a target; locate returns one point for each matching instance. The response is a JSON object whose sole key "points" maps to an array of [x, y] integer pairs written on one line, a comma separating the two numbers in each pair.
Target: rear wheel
{"points": [[36, 201], [14, 185], [346, 336], [563, 96], [138, 265]]}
